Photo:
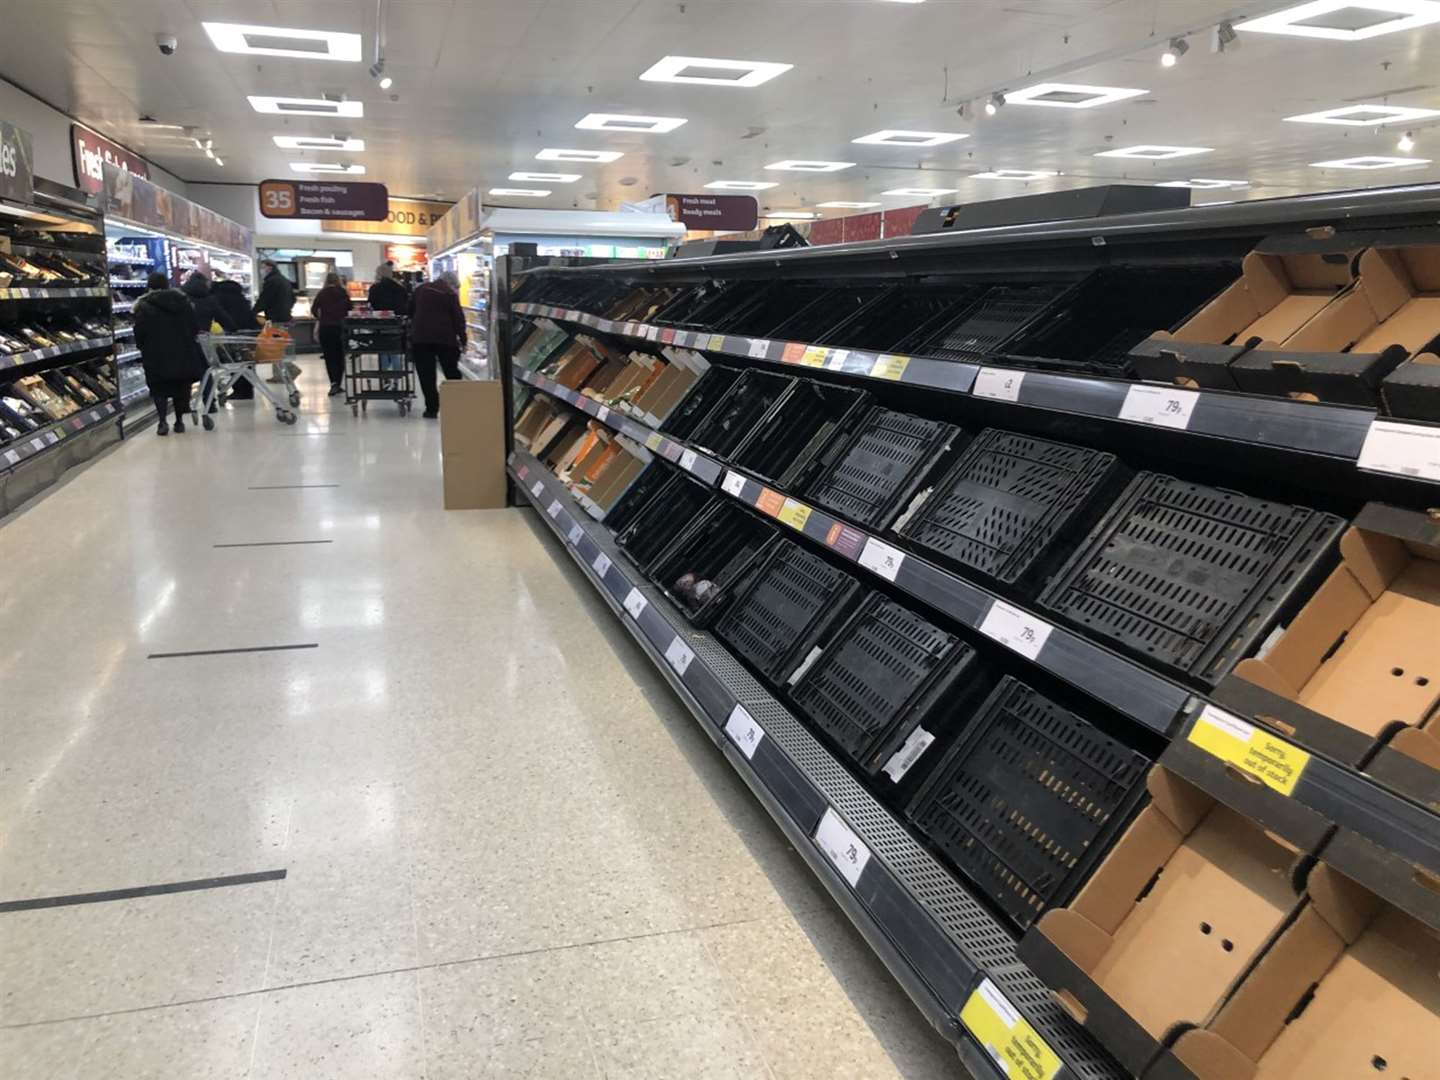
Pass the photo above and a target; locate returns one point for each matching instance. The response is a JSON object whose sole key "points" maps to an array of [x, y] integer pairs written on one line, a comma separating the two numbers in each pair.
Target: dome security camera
{"points": [[167, 44]]}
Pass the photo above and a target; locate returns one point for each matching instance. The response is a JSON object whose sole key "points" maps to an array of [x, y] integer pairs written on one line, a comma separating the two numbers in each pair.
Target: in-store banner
{"points": [[93, 152], [324, 200], [717, 213], [461, 223], [17, 156], [406, 217], [135, 199]]}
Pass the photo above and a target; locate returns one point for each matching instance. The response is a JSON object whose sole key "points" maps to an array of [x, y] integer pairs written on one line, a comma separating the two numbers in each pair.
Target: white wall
{"points": [[50, 131]]}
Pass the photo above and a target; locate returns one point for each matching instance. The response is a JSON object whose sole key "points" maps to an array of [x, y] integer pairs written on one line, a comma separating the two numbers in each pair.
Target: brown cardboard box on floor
{"points": [[472, 444]]}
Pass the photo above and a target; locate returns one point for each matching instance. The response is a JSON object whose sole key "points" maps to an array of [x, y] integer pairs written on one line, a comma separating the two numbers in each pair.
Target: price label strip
{"points": [[679, 656], [1007, 1036], [890, 367], [758, 348], [794, 514], [601, 565], [687, 460], [1160, 406], [998, 384], [576, 532], [842, 847], [733, 484], [1016, 629], [881, 558], [744, 732], [1402, 449], [1253, 750], [636, 604]]}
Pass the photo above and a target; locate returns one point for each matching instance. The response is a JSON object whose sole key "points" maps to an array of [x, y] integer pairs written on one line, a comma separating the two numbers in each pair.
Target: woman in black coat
{"points": [[165, 329], [230, 295]]}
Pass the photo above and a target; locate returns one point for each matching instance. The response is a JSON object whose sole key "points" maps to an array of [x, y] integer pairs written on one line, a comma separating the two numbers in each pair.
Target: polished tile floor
{"points": [[509, 851]]}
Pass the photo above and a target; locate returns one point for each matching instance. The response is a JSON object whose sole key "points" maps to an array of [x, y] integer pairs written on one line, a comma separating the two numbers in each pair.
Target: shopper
{"points": [[437, 335], [230, 295], [387, 294], [277, 303], [330, 306], [165, 329], [209, 311]]}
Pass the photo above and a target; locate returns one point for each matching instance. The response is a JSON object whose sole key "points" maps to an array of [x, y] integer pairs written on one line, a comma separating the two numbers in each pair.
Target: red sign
{"points": [[723, 213], [92, 152], [324, 200]]}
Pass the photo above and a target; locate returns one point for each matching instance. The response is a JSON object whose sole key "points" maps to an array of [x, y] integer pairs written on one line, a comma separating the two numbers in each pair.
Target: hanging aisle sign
{"points": [[17, 176], [728, 213], [324, 200]]}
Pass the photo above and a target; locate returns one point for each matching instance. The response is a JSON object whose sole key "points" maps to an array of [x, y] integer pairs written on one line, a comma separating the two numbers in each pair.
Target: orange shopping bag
{"points": [[271, 344]]}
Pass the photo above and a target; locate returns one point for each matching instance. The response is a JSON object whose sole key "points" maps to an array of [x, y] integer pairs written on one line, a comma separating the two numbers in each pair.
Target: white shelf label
{"points": [[734, 483], [553, 509], [37, 444], [1403, 449], [998, 384], [687, 460], [882, 558], [842, 847], [576, 532], [603, 415], [758, 348], [744, 732], [678, 656], [636, 604], [601, 564], [12, 457], [902, 760], [836, 359], [1016, 629], [1163, 406], [536, 488]]}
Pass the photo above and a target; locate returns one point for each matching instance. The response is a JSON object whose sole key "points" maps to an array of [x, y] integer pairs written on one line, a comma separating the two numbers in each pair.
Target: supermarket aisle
{"points": [[507, 849]]}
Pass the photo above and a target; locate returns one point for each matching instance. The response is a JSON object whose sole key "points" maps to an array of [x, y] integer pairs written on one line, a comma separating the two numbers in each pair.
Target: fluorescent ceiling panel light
{"points": [[919, 192], [314, 142], [1346, 20], [1013, 174], [1070, 95], [1205, 185], [1155, 153], [644, 125], [892, 137], [810, 166], [327, 167], [545, 177], [847, 205], [282, 41], [595, 157], [740, 185], [1363, 115], [519, 192], [710, 72], [1369, 162], [290, 106]]}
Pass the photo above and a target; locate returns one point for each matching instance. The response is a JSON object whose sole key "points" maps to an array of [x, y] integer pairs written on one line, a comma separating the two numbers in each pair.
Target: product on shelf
{"points": [[871, 476], [1027, 799], [747, 403], [1192, 578], [888, 686], [786, 610], [656, 525], [1347, 990], [712, 552], [803, 422], [1188, 897], [1013, 507]]}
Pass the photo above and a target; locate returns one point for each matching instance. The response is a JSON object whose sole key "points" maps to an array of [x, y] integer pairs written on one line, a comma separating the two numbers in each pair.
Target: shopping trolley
{"points": [[377, 357], [233, 356]]}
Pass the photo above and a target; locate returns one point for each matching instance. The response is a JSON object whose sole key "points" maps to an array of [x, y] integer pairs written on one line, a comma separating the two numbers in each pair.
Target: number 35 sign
{"points": [[325, 201]]}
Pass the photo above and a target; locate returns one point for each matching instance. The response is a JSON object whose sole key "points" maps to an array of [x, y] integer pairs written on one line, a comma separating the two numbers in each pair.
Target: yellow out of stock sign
{"points": [[407, 217]]}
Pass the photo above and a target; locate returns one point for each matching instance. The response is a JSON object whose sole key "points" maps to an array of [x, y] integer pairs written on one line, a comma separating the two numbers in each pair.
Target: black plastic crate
{"points": [[779, 303], [683, 306], [786, 608], [641, 490], [1028, 800], [905, 312], [1192, 578], [641, 303], [872, 475], [701, 398], [722, 304], [802, 423], [834, 306], [983, 329], [886, 672], [701, 567], [1013, 506], [745, 405], [656, 524]]}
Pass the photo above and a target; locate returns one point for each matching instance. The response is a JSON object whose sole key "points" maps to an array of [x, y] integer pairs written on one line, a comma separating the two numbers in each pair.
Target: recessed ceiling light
{"points": [[847, 205], [1370, 161], [810, 166], [1346, 20], [545, 177], [892, 137], [708, 72], [1013, 174], [312, 142], [793, 215], [281, 41], [919, 192], [1070, 95], [1205, 185], [1155, 153], [327, 167], [1363, 115], [293, 106], [645, 125], [597, 157], [519, 192], [740, 185]]}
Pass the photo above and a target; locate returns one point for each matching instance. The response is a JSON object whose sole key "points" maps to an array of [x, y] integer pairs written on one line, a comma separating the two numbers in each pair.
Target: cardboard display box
{"points": [[472, 444], [1412, 390], [1348, 990], [540, 345], [1184, 902], [662, 395], [533, 419], [574, 366], [1275, 296], [619, 473]]}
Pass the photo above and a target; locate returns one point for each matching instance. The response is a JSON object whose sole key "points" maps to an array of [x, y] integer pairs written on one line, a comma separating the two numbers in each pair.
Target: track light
{"points": [[1177, 48], [1407, 141], [386, 83], [1223, 37], [993, 105], [377, 68]]}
